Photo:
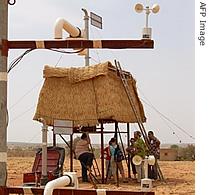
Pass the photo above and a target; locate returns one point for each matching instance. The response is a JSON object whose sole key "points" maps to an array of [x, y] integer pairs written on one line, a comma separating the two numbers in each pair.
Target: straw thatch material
{"points": [[86, 95]]}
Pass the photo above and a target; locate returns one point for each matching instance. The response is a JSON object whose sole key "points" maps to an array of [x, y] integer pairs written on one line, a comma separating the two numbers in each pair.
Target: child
{"points": [[107, 156], [116, 160]]}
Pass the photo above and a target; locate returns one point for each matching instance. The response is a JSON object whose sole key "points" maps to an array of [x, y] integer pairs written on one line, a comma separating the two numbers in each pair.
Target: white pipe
{"points": [[69, 178], [61, 24], [59, 182], [44, 151], [86, 34], [146, 168]]}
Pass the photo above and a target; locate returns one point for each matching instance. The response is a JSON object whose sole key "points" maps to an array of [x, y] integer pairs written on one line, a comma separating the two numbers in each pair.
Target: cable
{"points": [[59, 60], [23, 113], [29, 91], [170, 128], [180, 141], [95, 60], [18, 59], [32, 87], [165, 117], [67, 52], [184, 131], [96, 50], [33, 137], [111, 51]]}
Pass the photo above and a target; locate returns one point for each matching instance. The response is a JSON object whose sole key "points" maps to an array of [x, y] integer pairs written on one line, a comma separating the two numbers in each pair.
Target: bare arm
{"points": [[88, 138], [158, 142]]}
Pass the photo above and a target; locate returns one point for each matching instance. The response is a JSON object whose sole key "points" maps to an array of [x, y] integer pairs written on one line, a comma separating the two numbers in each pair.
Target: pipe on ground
{"points": [[69, 179]]}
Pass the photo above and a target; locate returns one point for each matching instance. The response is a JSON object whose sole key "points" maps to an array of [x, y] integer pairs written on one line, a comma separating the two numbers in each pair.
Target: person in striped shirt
{"points": [[154, 150]]}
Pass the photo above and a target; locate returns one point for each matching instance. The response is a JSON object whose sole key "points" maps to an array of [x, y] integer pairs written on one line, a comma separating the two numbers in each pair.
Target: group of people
{"points": [[114, 156], [138, 148]]}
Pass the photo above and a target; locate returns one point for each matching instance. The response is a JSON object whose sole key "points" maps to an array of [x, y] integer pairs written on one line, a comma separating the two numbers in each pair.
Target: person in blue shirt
{"points": [[116, 161]]}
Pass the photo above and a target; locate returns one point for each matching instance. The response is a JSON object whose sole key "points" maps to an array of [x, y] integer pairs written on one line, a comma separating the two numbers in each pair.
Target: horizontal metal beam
{"points": [[106, 44], [63, 191], [99, 132]]}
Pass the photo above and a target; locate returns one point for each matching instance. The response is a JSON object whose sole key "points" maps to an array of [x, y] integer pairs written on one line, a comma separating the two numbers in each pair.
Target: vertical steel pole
{"points": [[128, 144], [147, 16], [116, 136], [54, 139], [44, 178], [86, 19], [71, 152], [102, 152], [3, 92], [115, 128]]}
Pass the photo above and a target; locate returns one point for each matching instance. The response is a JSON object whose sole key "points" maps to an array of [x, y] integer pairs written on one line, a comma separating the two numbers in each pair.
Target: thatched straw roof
{"points": [[87, 95]]}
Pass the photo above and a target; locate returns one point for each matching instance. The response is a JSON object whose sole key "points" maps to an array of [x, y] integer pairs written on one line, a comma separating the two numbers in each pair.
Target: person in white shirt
{"points": [[84, 155]]}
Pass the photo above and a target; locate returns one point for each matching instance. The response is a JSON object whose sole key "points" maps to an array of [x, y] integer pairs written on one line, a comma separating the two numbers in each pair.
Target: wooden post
{"points": [[3, 91]]}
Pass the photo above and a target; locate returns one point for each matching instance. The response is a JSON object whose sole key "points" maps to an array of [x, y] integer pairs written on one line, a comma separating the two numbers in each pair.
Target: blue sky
{"points": [[165, 74]]}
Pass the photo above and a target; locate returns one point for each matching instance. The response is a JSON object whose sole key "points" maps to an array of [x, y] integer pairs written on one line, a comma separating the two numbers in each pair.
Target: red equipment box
{"points": [[55, 161]]}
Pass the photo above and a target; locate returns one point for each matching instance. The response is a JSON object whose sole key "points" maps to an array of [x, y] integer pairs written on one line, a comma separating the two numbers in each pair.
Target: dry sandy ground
{"points": [[179, 176]]}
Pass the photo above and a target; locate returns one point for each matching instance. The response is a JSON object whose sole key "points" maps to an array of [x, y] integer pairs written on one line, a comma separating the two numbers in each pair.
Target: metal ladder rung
{"points": [[140, 124]]}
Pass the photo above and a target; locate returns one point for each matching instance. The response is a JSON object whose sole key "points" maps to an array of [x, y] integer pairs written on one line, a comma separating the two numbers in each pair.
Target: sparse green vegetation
{"points": [[174, 146], [185, 153]]}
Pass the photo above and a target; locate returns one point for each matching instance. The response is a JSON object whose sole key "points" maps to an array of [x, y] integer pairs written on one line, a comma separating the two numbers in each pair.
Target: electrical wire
{"points": [[67, 52], [18, 59]]}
